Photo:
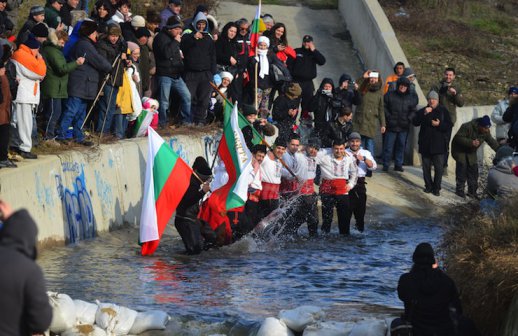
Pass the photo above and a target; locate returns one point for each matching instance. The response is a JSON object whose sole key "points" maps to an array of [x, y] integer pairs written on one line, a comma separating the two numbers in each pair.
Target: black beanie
{"points": [[40, 30], [248, 110], [423, 254], [87, 28]]}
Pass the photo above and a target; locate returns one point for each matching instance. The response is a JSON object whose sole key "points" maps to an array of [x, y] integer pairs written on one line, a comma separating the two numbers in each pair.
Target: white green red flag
{"points": [[143, 121], [254, 32], [167, 180]]}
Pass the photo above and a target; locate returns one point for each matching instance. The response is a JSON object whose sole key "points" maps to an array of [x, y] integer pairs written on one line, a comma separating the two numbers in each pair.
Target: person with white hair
{"points": [[501, 180]]}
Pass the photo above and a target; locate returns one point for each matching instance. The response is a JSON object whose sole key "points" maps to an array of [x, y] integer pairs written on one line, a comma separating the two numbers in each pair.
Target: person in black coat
{"points": [[36, 15], [186, 219], [322, 106], [511, 116], [285, 110], [304, 69], [83, 82], [200, 66], [433, 140], [400, 107], [24, 304], [428, 295], [347, 91], [102, 15], [338, 129]]}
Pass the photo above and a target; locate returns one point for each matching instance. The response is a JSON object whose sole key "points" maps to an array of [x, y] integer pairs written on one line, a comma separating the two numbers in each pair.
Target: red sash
{"points": [[308, 188], [334, 187], [289, 185], [270, 191], [254, 197]]}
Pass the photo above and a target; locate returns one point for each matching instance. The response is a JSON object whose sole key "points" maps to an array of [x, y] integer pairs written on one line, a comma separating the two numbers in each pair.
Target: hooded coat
{"points": [[370, 114], [30, 70], [501, 181], [56, 81], [399, 108], [199, 54], [321, 105], [461, 146], [350, 96], [24, 303]]}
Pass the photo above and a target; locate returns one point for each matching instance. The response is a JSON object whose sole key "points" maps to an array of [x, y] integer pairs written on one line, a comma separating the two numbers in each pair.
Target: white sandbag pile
{"points": [[308, 320], [81, 318]]}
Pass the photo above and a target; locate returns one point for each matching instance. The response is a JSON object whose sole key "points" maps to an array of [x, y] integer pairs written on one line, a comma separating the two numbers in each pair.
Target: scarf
{"points": [[263, 63]]}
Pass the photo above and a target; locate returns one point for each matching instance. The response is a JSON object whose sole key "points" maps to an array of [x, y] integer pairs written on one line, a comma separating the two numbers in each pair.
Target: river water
{"points": [[232, 289]]}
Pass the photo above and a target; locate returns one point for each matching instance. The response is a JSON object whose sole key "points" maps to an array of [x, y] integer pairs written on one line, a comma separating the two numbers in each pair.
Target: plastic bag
{"points": [[85, 312], [63, 312], [150, 320], [114, 319]]}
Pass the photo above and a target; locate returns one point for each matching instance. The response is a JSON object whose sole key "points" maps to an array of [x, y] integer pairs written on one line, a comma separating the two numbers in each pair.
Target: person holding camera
{"points": [[324, 107], [347, 91]]}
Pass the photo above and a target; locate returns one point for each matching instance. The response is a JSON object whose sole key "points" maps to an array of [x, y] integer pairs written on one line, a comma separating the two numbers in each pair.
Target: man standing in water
{"points": [[339, 175], [271, 178], [358, 195]]}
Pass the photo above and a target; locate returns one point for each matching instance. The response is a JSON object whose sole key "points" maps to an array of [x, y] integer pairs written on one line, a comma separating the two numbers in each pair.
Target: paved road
{"points": [[326, 27]]}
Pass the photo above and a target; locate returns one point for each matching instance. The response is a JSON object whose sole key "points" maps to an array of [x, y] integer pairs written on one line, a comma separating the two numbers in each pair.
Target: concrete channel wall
{"points": [[373, 36], [74, 195]]}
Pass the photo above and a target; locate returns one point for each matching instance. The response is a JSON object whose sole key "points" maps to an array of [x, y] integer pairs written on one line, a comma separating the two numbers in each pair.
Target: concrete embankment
{"points": [[75, 194]]}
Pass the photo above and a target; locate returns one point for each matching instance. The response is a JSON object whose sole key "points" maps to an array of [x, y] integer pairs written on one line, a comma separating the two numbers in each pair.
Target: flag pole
{"points": [[214, 86]]}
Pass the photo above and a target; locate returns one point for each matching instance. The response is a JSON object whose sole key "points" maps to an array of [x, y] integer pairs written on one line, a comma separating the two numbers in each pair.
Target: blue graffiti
{"points": [[178, 148], [105, 193], [211, 144], [78, 208]]}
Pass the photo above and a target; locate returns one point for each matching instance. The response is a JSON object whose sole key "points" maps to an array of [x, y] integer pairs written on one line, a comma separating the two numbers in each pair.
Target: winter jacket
{"points": [[501, 181], [30, 70], [110, 52], [226, 48], [66, 16], [24, 303], [24, 32], [280, 115], [268, 81], [370, 114], [168, 57], [399, 108], [428, 294], [502, 127], [83, 82], [199, 54], [450, 101], [128, 32], [52, 18], [433, 140], [321, 105], [304, 66], [336, 130], [348, 97], [462, 149], [55, 84], [6, 25]]}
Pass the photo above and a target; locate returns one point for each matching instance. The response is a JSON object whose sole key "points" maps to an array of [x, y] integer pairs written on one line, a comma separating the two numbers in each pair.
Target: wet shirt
{"points": [[271, 170], [361, 165]]}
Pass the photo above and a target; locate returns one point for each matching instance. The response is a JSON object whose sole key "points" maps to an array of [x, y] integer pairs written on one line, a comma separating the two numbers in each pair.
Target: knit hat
{"points": [[148, 103], [141, 32], [37, 10], [173, 22], [280, 142], [502, 153], [201, 168], [355, 135], [31, 42], [114, 29], [424, 255], [513, 89], [248, 110], [132, 46], [138, 21], [484, 121], [294, 91], [40, 30], [87, 28], [432, 95], [264, 39], [226, 74]]}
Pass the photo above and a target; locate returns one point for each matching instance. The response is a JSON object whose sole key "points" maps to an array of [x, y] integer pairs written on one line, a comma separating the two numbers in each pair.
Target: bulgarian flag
{"points": [[167, 180], [254, 33], [238, 162], [143, 121]]}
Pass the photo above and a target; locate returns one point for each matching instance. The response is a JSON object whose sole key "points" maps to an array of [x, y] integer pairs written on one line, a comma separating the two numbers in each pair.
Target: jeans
{"points": [[107, 106], [121, 124], [53, 111], [397, 139], [74, 115], [166, 84], [368, 144]]}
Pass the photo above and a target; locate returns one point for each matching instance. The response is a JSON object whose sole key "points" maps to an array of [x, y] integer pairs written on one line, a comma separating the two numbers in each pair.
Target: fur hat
{"points": [[432, 95], [138, 21], [293, 91], [40, 30], [88, 27], [424, 254], [31, 42]]}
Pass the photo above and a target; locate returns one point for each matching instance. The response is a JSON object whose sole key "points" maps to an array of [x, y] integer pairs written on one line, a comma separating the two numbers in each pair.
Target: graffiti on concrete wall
{"points": [[179, 149], [77, 205], [211, 144], [105, 194]]}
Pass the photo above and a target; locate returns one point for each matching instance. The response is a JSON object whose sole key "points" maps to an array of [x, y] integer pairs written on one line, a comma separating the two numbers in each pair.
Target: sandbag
{"points": [[299, 318], [116, 320], [63, 312], [84, 330], [150, 320], [274, 327], [369, 328], [329, 328], [85, 312]]}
